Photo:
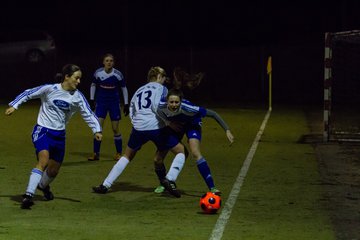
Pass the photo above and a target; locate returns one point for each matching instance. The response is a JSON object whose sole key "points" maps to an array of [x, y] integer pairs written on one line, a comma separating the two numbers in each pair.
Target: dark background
{"points": [[228, 40]]}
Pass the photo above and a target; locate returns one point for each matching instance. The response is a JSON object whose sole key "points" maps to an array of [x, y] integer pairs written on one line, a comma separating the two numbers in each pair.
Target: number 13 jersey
{"points": [[144, 104]]}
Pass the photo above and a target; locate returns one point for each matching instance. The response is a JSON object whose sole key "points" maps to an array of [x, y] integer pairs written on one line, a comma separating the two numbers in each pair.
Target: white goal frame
{"points": [[330, 37]]}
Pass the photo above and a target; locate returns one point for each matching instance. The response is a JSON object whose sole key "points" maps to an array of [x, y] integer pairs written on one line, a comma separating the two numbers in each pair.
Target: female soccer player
{"points": [[104, 91], [58, 103], [185, 118], [147, 126]]}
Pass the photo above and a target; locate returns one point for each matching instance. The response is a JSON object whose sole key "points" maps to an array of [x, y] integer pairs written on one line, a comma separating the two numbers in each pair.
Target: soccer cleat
{"points": [[159, 189], [94, 157], [48, 195], [170, 186], [100, 189], [215, 191], [117, 156], [27, 202]]}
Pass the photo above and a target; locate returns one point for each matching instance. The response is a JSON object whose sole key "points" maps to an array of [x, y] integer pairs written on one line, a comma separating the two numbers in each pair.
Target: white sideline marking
{"points": [[226, 211]]}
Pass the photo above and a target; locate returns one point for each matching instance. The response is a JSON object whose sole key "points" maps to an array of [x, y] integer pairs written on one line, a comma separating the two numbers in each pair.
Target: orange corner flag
{"points": [[269, 65]]}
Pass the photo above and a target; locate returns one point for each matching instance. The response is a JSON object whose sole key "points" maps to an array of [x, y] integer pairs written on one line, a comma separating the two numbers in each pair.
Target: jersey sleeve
{"points": [[190, 109], [29, 94], [121, 78], [92, 91], [125, 95], [219, 120], [88, 115], [160, 94]]}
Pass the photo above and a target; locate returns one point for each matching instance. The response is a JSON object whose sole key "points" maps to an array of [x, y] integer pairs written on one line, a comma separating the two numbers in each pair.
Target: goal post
{"points": [[342, 86]]}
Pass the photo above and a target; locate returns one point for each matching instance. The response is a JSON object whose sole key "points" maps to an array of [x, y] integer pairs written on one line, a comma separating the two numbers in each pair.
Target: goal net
{"points": [[342, 86]]}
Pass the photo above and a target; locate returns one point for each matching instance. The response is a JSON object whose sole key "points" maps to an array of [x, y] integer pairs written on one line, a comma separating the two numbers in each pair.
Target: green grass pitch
{"points": [[280, 197]]}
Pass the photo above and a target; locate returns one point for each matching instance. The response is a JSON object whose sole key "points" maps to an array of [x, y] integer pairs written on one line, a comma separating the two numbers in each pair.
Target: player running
{"points": [[147, 126], [104, 91], [185, 118], [59, 102]]}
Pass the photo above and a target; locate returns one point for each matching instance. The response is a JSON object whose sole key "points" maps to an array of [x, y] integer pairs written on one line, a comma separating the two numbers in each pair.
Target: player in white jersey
{"points": [[59, 102], [147, 126], [104, 91], [185, 119]]}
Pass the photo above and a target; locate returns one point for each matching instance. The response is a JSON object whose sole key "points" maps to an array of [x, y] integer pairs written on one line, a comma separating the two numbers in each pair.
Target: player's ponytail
{"points": [[58, 77], [184, 80]]}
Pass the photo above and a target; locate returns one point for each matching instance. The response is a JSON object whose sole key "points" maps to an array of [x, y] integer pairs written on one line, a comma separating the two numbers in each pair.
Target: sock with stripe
{"points": [[205, 172], [35, 177], [176, 167], [118, 143]]}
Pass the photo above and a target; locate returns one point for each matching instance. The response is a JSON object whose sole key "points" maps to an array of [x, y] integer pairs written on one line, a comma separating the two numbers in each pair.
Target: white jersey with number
{"points": [[58, 106], [144, 104]]}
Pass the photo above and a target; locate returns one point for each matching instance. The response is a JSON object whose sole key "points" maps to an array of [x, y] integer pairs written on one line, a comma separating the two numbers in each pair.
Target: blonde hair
{"points": [[154, 72]]}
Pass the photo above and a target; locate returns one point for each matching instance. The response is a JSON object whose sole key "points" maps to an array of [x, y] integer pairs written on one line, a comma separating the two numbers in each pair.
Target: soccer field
{"points": [[280, 197]]}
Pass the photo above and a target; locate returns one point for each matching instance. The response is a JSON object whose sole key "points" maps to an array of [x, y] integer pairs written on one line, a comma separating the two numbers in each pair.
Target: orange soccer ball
{"points": [[210, 202]]}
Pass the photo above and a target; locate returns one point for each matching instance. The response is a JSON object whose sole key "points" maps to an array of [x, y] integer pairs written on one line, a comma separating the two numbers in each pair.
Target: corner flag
{"points": [[269, 65]]}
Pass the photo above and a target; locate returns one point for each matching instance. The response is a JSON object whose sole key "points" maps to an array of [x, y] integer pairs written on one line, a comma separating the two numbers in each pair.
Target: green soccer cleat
{"points": [[215, 191], [159, 189]]}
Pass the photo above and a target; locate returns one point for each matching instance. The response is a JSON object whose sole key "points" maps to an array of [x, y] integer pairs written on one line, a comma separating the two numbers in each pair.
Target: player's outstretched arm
{"points": [[222, 123], [9, 111]]}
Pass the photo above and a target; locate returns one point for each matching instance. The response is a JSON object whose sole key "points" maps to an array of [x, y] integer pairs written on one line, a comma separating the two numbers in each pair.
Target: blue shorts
{"points": [[162, 138], [51, 140], [113, 108], [192, 130]]}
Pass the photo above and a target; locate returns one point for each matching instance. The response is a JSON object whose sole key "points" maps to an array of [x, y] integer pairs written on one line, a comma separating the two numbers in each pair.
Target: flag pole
{"points": [[269, 72]]}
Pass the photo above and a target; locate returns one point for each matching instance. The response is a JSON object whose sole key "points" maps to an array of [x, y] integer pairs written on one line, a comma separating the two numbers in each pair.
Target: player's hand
{"points": [[9, 111], [230, 137], [98, 136], [126, 109]]}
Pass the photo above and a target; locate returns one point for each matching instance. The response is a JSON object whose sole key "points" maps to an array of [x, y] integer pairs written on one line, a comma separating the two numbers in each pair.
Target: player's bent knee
{"points": [[52, 172]]}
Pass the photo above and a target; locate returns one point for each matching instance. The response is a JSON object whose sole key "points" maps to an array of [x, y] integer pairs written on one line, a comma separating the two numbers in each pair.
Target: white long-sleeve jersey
{"points": [[58, 106], [143, 107]]}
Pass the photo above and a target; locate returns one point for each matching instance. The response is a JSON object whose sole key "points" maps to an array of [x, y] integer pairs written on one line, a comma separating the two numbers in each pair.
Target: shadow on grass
{"points": [[131, 187], [19, 198], [84, 159], [126, 186]]}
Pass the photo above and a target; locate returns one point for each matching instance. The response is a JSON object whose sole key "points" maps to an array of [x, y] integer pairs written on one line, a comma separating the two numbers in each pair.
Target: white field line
{"points": [[227, 209]]}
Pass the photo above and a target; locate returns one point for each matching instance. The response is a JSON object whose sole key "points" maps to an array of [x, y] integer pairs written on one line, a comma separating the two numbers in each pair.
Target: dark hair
{"points": [[108, 55], [68, 70], [175, 92], [184, 80]]}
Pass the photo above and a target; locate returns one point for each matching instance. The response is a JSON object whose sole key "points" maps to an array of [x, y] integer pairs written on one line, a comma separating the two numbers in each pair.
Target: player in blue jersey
{"points": [[58, 103], [104, 92], [147, 126], [185, 119]]}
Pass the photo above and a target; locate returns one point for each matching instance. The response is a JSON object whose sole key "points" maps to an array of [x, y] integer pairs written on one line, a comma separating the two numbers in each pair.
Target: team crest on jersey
{"points": [[65, 106]]}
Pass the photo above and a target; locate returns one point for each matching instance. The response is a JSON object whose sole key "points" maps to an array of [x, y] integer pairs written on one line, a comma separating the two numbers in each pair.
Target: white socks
{"points": [[34, 180], [45, 180], [176, 167], [115, 172]]}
